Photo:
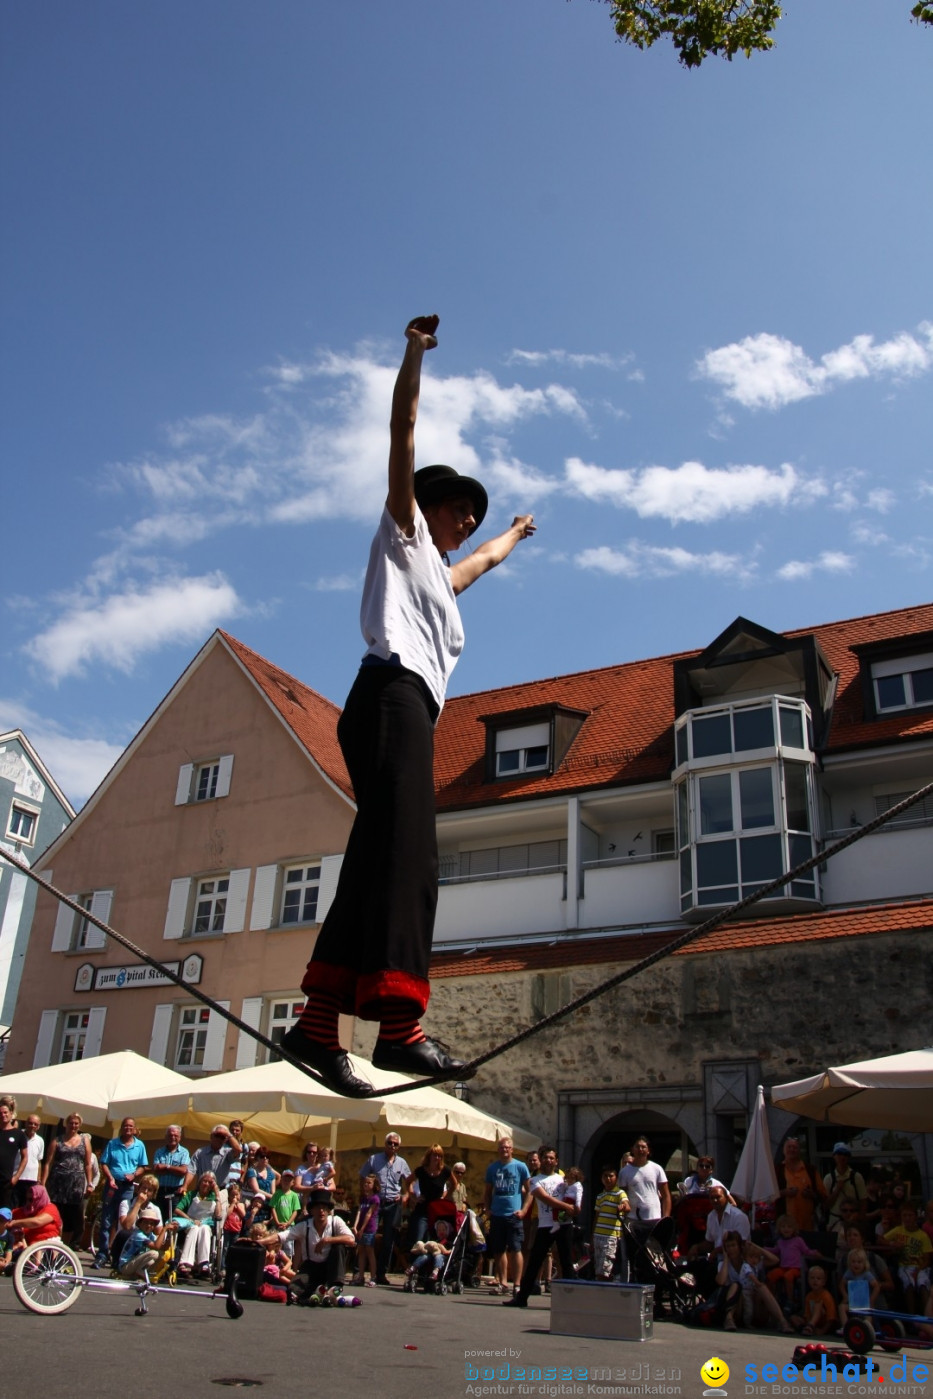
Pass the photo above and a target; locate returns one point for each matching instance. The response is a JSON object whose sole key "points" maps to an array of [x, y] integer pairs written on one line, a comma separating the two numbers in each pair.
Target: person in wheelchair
{"points": [[197, 1214], [149, 1241]]}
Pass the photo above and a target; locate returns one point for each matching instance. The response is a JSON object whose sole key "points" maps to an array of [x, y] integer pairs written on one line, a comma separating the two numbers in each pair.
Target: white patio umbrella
{"points": [[90, 1086], [895, 1091], [282, 1108], [755, 1178], [278, 1105]]}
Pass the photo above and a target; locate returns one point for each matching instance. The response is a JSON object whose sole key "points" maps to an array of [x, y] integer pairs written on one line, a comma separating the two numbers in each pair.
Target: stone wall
{"points": [[794, 1008]]}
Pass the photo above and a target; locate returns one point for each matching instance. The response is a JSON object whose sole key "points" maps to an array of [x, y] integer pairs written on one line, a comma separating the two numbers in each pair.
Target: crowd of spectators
{"points": [[847, 1237]]}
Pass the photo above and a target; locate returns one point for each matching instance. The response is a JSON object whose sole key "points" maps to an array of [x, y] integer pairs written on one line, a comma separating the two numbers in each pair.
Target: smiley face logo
{"points": [[715, 1372]]}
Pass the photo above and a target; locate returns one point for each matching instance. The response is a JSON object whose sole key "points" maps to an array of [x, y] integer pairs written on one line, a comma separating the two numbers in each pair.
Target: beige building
{"points": [[214, 845]]}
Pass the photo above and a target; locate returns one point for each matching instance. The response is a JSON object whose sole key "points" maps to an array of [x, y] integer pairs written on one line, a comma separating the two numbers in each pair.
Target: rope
{"points": [[691, 935]]}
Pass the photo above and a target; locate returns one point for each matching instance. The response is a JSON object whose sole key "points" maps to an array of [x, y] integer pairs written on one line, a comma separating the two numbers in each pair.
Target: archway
{"points": [[671, 1147]]}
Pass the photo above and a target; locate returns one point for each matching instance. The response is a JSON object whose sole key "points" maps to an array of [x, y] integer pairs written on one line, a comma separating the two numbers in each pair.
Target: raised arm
{"points": [[401, 498], [490, 553]]}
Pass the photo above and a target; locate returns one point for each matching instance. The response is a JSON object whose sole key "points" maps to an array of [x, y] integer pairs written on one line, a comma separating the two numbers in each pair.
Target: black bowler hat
{"points": [[436, 483], [321, 1197]]}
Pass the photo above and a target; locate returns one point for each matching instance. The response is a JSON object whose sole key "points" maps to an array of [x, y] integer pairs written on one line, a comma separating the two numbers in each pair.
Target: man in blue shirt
{"points": [[170, 1163], [122, 1161], [506, 1188], [392, 1171]]}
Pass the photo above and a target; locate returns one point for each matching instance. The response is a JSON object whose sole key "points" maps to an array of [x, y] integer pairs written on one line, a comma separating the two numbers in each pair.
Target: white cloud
{"points": [[575, 361], [77, 764], [340, 583], [691, 492], [768, 371], [116, 630], [638, 560], [830, 561]]}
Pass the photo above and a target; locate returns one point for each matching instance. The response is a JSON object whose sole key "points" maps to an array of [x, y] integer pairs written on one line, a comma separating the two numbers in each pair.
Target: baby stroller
{"points": [[431, 1269], [652, 1263]]}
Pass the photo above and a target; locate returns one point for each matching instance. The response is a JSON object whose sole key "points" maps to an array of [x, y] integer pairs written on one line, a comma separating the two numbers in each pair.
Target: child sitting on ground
{"points": [[148, 1240], [819, 1308]]}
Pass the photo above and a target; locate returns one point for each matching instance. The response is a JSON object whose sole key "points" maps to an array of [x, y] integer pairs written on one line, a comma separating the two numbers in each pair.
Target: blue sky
{"points": [[686, 319]]}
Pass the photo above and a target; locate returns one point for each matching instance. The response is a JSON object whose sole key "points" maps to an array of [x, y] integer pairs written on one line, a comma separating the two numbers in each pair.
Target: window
{"points": [[193, 1026], [916, 815], [211, 905], [741, 824], [76, 933], [904, 683], [282, 1016], [205, 788], [300, 889], [74, 1035], [22, 823], [501, 861], [203, 782], [523, 750]]}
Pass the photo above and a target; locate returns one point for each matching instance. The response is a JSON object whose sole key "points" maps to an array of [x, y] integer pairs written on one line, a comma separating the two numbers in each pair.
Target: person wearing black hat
{"points": [[324, 1240], [372, 955]]}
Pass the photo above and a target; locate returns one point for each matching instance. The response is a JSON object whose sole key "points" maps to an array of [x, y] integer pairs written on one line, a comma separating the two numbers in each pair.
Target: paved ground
{"points": [[394, 1346]]}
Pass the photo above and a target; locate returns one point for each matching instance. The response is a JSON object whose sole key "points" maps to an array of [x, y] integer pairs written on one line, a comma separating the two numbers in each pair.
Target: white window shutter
{"points": [[101, 901], [177, 913], [95, 1031], [246, 1046], [224, 773], [262, 913], [237, 890], [48, 1023], [216, 1039], [183, 790], [161, 1027], [330, 872], [64, 927]]}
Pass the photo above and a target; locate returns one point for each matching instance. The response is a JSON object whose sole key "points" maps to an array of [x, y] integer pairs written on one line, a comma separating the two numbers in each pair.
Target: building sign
{"points": [[137, 976]]}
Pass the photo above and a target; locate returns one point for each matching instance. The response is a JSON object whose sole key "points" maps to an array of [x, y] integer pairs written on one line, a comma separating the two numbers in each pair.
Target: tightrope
{"points": [[691, 935]]}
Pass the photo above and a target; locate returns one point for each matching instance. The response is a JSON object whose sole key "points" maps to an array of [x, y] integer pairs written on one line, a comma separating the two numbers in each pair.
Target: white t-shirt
{"points": [[335, 1229], [124, 1210], [35, 1150], [554, 1185], [642, 1185], [409, 609], [733, 1219]]}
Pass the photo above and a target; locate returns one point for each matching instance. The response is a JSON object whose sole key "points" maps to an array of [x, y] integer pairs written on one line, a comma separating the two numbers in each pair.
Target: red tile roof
{"points": [[311, 717], [728, 937], [628, 734]]}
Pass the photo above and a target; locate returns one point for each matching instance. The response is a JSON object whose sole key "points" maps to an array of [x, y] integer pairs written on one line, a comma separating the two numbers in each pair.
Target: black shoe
{"points": [[332, 1064], [426, 1058], [383, 1281], [516, 1301]]}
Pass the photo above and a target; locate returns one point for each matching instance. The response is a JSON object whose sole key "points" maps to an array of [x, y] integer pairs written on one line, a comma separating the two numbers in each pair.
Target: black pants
{"points": [[540, 1249], [375, 945], [330, 1273]]}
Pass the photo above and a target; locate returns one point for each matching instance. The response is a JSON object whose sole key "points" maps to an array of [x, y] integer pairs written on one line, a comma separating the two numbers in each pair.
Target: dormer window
{"points": [[523, 750], [903, 683], [529, 742]]}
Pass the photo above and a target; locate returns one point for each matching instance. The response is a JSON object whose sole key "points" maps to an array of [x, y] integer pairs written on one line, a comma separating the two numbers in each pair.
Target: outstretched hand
{"points": [[421, 331], [525, 524]]}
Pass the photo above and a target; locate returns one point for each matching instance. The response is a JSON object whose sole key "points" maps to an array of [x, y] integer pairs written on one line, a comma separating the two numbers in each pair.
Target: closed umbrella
{"points": [[755, 1178]]}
